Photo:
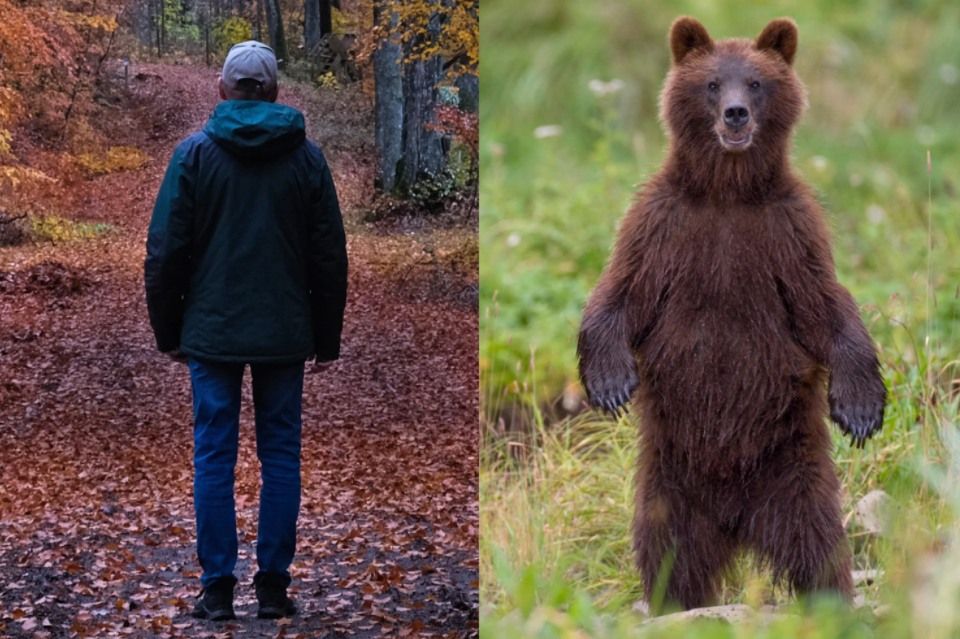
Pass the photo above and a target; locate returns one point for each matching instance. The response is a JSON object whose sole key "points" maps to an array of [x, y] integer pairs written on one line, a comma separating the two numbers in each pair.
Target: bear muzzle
{"points": [[735, 139]]}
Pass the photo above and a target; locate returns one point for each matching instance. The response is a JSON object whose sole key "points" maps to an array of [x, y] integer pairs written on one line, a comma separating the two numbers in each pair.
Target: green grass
{"points": [[556, 504], [878, 101], [556, 497]]}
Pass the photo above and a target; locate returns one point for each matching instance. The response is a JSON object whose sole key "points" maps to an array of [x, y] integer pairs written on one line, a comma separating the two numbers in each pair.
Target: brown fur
{"points": [[720, 314]]}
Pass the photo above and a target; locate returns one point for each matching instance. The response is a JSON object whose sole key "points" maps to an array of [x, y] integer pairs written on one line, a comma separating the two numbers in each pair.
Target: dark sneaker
{"points": [[216, 601], [272, 595]]}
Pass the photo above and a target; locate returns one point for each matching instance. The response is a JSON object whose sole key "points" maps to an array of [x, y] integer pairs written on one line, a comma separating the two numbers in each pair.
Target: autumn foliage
{"points": [[96, 518], [52, 53], [49, 52], [450, 30], [460, 125]]}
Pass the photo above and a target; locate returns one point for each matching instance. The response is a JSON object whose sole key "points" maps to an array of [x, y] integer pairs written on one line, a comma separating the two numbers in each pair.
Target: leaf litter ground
{"points": [[96, 515]]}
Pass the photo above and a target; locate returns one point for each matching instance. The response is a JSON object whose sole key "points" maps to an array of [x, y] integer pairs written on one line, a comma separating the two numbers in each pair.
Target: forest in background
{"points": [[68, 68], [96, 514]]}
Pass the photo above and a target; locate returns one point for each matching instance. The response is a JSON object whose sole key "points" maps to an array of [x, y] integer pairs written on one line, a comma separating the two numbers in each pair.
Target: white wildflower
{"points": [[547, 131], [876, 214], [601, 88]]}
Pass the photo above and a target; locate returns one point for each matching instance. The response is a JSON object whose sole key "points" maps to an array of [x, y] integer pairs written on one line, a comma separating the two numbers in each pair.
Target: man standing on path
{"points": [[246, 264]]}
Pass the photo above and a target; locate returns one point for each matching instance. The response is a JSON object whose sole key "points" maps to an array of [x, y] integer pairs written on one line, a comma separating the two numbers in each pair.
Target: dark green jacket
{"points": [[246, 256]]}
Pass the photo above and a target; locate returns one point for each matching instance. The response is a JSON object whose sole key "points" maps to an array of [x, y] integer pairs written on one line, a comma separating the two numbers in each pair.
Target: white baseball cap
{"points": [[250, 60]]}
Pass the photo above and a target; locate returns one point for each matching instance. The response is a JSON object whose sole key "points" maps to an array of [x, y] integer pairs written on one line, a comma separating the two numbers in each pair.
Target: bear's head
{"points": [[735, 96]]}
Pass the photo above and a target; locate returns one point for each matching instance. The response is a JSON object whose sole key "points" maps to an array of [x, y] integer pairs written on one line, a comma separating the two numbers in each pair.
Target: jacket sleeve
{"points": [[326, 261], [167, 265]]}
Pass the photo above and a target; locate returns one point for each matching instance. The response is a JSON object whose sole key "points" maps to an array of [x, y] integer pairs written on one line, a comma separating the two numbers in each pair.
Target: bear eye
{"points": [[713, 86], [754, 85]]}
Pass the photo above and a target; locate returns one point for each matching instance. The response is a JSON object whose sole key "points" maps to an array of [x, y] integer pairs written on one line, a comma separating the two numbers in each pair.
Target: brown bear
{"points": [[720, 314]]}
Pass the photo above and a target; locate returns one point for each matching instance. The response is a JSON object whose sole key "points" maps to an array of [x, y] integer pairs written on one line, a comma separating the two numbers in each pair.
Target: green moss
{"points": [[57, 229]]}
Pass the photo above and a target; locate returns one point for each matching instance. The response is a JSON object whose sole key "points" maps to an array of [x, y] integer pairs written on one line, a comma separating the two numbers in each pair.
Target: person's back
{"points": [[263, 284], [246, 264]]}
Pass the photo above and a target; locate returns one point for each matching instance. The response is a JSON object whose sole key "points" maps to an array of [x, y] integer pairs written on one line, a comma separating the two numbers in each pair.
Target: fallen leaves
{"points": [[96, 515]]}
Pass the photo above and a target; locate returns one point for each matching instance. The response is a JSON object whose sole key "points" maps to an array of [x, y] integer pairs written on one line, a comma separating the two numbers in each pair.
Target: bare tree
{"points": [[275, 27], [317, 22], [388, 106], [423, 151], [406, 96], [326, 17], [311, 25]]}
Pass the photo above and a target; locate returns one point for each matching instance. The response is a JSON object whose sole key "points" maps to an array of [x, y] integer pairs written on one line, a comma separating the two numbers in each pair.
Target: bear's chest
{"points": [[726, 262], [723, 327]]}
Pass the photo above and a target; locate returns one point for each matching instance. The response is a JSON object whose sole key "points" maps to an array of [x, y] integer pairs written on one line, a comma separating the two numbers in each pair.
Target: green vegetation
{"points": [[883, 85], [230, 31], [54, 228], [569, 121]]}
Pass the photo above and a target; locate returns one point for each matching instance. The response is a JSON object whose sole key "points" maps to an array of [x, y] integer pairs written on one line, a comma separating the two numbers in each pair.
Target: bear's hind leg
{"points": [[794, 522], [678, 546]]}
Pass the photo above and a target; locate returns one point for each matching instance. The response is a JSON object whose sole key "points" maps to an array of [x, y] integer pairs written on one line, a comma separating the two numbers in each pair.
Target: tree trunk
{"points": [[142, 22], [311, 26], [206, 40], [275, 26], [468, 85], [388, 107], [317, 22], [157, 21], [163, 25], [405, 98], [326, 17], [423, 152]]}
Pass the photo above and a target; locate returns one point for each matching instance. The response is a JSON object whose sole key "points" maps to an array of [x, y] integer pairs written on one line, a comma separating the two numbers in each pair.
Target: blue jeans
{"points": [[277, 394]]}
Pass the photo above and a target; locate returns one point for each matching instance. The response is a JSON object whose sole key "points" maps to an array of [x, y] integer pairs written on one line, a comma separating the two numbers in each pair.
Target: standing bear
{"points": [[720, 314]]}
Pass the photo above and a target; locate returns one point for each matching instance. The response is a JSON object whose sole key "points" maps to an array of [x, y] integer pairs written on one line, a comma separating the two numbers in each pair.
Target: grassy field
{"points": [[569, 121]]}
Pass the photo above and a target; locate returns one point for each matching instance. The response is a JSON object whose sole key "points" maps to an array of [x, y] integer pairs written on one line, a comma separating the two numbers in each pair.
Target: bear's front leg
{"points": [[608, 367], [857, 393], [622, 310], [826, 322]]}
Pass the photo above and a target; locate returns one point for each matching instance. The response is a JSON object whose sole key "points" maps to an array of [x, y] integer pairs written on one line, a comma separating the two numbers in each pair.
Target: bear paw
{"points": [[610, 385], [858, 414]]}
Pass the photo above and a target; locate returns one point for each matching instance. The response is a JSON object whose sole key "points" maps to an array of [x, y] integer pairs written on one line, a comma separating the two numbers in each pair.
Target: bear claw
{"points": [[610, 382], [857, 422], [611, 402]]}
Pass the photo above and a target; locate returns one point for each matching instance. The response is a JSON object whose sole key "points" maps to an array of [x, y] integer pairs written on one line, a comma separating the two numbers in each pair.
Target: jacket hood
{"points": [[256, 129]]}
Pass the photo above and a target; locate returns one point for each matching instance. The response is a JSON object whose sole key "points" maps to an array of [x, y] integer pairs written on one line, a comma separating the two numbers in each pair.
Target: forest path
{"points": [[96, 514]]}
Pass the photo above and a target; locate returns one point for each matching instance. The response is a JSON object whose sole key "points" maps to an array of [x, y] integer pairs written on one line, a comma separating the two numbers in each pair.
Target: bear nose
{"points": [[736, 116]]}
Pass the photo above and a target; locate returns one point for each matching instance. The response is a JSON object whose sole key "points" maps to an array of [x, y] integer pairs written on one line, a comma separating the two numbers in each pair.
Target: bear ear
{"points": [[687, 34], [780, 36]]}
